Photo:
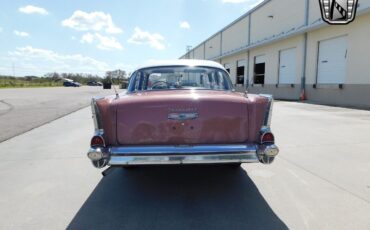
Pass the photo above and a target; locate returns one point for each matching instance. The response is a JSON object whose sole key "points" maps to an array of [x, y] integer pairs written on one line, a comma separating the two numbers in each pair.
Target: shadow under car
{"points": [[173, 197]]}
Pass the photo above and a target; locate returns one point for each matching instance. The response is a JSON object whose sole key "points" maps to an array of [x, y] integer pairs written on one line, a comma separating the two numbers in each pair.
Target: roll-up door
{"points": [[240, 71], [259, 69], [287, 67], [332, 62]]}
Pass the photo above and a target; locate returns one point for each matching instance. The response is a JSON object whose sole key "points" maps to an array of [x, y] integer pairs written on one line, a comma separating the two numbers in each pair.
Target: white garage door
{"points": [[287, 68], [332, 63], [260, 59]]}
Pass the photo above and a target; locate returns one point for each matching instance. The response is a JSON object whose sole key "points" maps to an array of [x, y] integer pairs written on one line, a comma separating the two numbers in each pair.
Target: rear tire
{"points": [[129, 167], [234, 165]]}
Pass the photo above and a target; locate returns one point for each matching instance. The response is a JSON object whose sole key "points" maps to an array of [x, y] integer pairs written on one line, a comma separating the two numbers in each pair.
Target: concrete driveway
{"points": [[320, 180]]}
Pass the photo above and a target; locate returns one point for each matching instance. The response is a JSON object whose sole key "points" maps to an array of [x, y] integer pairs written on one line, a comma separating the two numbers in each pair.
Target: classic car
{"points": [[182, 112]]}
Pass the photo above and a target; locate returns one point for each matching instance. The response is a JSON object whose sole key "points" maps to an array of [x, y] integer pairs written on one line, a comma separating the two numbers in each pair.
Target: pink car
{"points": [[182, 112]]}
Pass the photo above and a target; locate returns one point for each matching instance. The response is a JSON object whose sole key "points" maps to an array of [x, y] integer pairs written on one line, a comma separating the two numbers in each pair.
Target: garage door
{"points": [[260, 59], [287, 68], [240, 71], [259, 70], [332, 63]]}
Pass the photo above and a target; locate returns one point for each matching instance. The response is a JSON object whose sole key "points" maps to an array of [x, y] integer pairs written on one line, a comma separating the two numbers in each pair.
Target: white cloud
{"points": [[184, 25], [48, 60], [103, 42], [250, 2], [155, 40], [108, 43], [94, 21], [246, 4], [87, 38], [234, 1], [33, 10], [21, 33]]}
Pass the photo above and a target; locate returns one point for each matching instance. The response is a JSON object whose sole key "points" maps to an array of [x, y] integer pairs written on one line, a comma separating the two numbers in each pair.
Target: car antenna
{"points": [[114, 88]]}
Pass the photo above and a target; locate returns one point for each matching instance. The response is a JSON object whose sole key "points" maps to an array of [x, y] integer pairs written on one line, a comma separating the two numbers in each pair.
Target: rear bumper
{"points": [[175, 155]]}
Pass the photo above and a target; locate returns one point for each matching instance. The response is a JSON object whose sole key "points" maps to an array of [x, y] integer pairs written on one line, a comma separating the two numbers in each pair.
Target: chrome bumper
{"points": [[172, 155]]}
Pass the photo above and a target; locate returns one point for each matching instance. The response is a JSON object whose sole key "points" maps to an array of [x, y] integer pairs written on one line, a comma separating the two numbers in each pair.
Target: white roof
{"points": [[184, 62]]}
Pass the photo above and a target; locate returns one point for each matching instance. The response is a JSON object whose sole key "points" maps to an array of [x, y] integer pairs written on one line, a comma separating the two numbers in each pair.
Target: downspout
{"points": [[221, 43], [304, 66], [249, 42]]}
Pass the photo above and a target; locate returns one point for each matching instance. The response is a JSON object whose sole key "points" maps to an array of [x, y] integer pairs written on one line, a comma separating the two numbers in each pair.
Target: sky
{"points": [[95, 36]]}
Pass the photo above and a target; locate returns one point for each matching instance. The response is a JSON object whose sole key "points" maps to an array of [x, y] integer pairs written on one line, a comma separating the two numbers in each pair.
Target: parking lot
{"points": [[320, 180], [24, 109]]}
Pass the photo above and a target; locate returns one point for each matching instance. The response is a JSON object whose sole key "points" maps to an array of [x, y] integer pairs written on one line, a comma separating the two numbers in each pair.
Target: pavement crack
{"points": [[327, 180], [9, 106]]}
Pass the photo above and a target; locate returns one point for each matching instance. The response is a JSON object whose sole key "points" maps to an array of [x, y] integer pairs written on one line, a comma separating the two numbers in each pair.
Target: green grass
{"points": [[23, 83]]}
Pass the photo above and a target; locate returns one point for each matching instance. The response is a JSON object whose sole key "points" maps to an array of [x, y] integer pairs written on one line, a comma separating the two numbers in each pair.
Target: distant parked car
{"points": [[107, 85], [94, 83], [71, 84]]}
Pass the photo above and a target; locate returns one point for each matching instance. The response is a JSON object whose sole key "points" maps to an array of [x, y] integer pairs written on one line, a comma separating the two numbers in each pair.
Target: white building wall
{"points": [[275, 17], [236, 36], [213, 47], [358, 33], [199, 52], [314, 12], [271, 53], [286, 15]]}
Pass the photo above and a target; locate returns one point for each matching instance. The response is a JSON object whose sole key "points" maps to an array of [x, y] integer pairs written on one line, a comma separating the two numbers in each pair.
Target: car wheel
{"points": [[234, 165]]}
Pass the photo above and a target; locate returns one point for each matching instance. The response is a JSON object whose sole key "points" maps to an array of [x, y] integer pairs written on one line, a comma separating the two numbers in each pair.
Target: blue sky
{"points": [[94, 36]]}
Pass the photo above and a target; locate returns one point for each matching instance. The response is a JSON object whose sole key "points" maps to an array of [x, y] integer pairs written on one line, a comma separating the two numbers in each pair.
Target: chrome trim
{"points": [[185, 149], [98, 156], [268, 112], [173, 155], [95, 154], [99, 132], [96, 114], [183, 159], [267, 153], [182, 116]]}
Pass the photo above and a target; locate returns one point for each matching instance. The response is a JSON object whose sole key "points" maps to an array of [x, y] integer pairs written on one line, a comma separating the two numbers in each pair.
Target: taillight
{"points": [[97, 141], [267, 138]]}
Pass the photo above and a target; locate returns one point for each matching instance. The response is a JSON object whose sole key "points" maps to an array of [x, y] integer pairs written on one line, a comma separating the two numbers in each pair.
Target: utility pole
{"points": [[188, 48]]}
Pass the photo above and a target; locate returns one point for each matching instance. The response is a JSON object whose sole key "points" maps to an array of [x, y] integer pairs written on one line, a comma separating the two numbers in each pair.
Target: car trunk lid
{"points": [[182, 117]]}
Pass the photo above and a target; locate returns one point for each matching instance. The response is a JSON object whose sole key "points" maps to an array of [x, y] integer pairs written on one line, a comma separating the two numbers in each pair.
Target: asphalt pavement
{"points": [[23, 109], [320, 180]]}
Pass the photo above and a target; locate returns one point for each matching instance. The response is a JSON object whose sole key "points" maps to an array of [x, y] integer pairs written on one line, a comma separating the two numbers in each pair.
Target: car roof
{"points": [[183, 62]]}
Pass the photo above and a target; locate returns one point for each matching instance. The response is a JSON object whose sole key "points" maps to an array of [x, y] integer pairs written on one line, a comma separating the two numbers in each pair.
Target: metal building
{"points": [[294, 53]]}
